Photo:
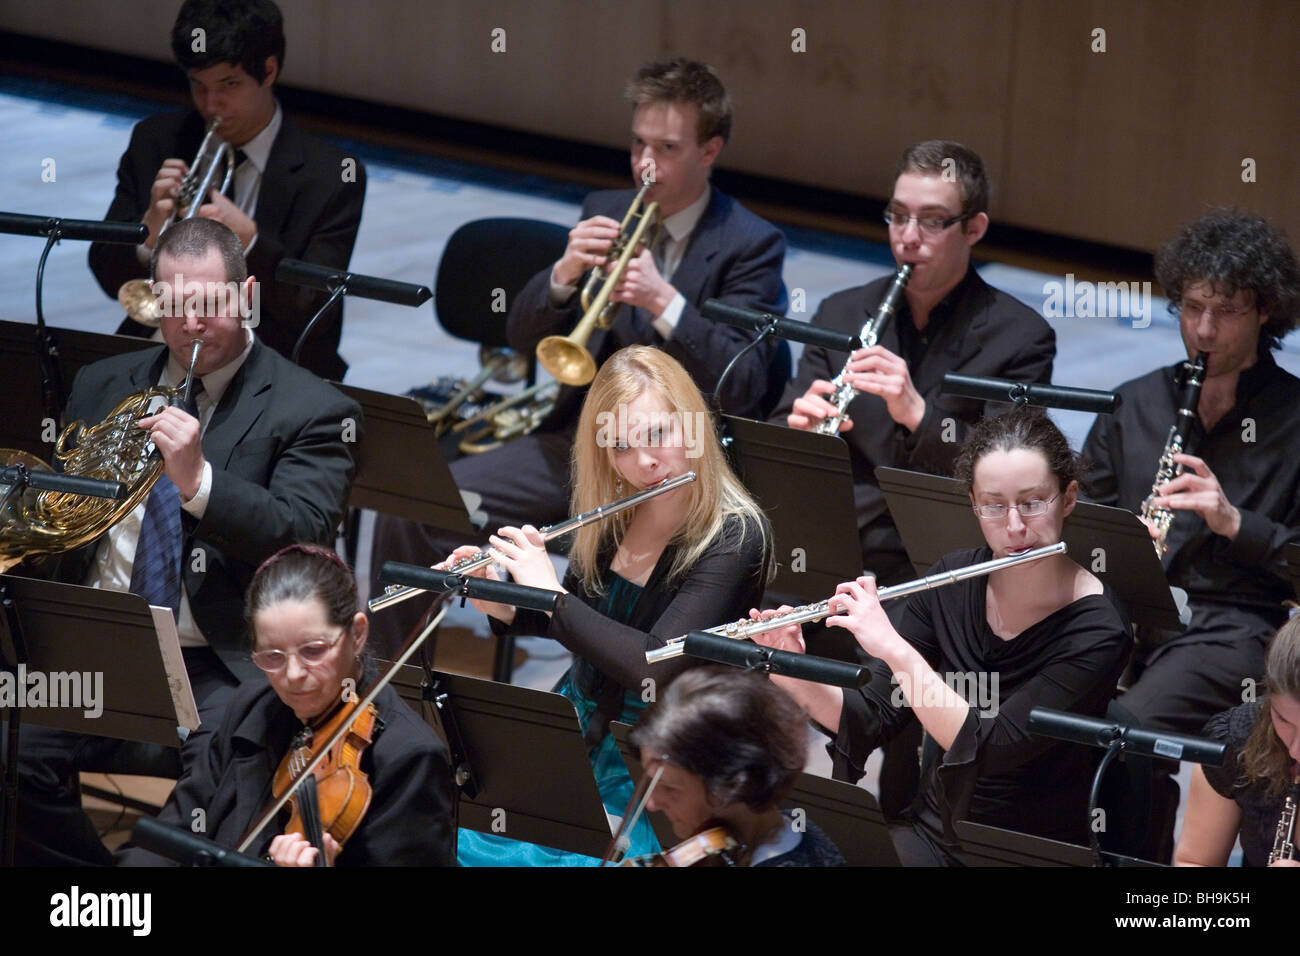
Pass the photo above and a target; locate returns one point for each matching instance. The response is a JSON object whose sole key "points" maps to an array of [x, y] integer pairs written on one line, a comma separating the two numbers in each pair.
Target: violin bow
{"points": [[412, 645]]}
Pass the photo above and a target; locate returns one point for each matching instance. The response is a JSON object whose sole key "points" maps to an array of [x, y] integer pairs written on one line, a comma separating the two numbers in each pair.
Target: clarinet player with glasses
{"points": [[1234, 283]]}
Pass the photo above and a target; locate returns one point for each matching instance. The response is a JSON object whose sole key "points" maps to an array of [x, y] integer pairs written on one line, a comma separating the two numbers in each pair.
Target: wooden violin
{"points": [[714, 846], [335, 795]]}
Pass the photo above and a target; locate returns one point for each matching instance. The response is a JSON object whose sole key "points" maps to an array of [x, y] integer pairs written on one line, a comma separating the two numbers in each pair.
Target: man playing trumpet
{"points": [[232, 54], [709, 247]]}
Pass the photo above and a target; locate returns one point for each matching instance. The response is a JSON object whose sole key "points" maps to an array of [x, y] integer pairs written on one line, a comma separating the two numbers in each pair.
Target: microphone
{"points": [[796, 331], [92, 230], [327, 279], [185, 847], [750, 656], [1101, 733], [1048, 396], [482, 589]]}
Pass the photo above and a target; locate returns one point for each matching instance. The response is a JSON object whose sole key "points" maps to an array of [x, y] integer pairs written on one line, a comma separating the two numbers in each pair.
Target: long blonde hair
{"points": [[715, 496]]}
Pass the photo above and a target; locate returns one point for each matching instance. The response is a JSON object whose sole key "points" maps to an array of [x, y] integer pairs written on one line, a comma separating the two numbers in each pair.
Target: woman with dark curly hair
{"points": [[1244, 798], [728, 746]]}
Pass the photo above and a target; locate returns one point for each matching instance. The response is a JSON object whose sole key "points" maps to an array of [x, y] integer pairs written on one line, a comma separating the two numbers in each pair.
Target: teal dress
{"points": [[612, 779]]}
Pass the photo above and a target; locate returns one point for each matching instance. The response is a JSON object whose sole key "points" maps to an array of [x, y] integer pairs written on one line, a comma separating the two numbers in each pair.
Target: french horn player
{"points": [[266, 462]]}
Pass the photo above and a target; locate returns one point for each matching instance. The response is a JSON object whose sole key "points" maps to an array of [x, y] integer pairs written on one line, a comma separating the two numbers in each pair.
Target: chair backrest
{"points": [[483, 256]]}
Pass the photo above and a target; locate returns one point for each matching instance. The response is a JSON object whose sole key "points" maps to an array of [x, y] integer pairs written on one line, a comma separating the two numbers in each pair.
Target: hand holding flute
{"points": [[522, 552]]}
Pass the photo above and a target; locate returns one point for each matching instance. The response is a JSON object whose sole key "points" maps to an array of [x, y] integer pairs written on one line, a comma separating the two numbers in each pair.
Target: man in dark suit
{"points": [[266, 463], [709, 247], [293, 195], [948, 320]]}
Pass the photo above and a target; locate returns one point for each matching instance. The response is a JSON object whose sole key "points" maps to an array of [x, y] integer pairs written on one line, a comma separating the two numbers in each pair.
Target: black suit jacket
{"points": [[305, 210], [281, 449], [982, 332], [731, 255]]}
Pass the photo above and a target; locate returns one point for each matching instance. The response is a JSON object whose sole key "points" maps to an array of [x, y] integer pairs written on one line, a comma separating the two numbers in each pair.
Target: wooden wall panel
{"points": [[1115, 147]]}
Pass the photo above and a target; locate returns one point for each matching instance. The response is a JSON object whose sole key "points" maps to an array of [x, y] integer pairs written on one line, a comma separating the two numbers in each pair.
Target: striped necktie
{"points": [[156, 573]]}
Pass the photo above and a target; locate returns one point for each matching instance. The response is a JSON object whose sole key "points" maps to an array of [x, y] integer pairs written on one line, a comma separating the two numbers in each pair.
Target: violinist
{"points": [[1246, 798], [682, 560], [309, 639], [728, 747]]}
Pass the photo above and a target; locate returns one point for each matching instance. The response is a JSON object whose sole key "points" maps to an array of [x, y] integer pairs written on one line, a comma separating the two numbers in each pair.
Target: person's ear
{"points": [[976, 226], [1070, 497], [360, 632]]}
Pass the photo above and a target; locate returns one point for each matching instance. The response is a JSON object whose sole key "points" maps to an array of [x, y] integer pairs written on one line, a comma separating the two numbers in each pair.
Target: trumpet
{"points": [[135, 295], [744, 629], [394, 594], [1284, 837], [566, 356], [1161, 519], [868, 336]]}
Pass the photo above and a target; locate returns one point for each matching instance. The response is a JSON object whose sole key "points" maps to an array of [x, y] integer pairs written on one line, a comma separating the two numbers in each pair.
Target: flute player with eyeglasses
{"points": [[970, 660]]}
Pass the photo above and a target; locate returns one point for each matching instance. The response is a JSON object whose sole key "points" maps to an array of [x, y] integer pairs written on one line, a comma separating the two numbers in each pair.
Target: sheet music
{"points": [[178, 679]]}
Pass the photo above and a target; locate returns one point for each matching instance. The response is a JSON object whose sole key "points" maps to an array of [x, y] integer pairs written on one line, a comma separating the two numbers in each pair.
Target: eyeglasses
{"points": [[1028, 509], [1227, 315], [309, 655], [930, 225]]}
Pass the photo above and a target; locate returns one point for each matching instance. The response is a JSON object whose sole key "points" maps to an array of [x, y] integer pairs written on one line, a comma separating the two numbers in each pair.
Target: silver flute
{"points": [[744, 629], [395, 594], [869, 335]]}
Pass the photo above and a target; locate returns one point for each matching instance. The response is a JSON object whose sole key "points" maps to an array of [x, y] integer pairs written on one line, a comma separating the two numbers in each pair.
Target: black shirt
{"points": [[996, 772], [1252, 452], [1259, 812], [975, 330]]}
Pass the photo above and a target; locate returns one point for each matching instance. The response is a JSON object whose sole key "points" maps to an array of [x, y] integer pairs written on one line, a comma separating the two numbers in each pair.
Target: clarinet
{"points": [[1284, 839], [869, 334], [1160, 519]]}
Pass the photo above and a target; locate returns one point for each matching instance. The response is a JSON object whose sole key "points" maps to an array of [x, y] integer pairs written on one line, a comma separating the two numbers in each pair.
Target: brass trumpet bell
{"points": [[141, 304]]}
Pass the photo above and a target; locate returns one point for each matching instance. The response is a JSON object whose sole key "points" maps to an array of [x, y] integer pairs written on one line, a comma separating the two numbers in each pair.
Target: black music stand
{"points": [[848, 815], [75, 633], [20, 399], [990, 846], [520, 760], [804, 483], [934, 517], [400, 470]]}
